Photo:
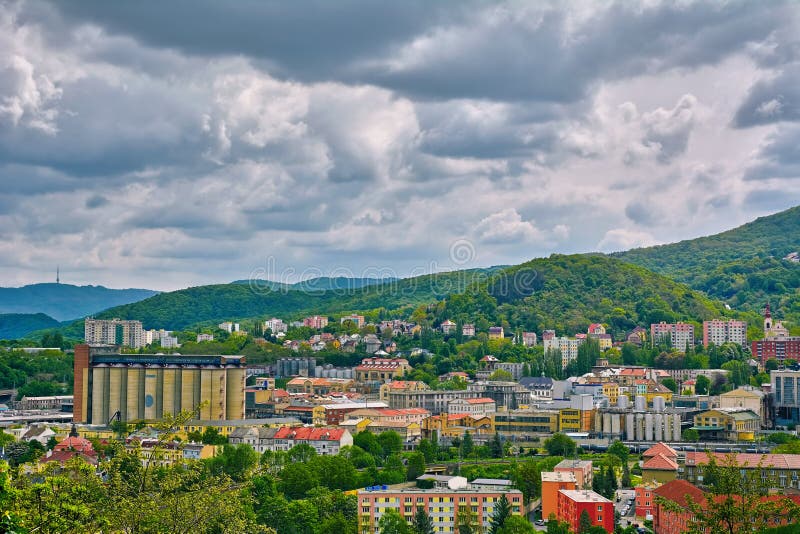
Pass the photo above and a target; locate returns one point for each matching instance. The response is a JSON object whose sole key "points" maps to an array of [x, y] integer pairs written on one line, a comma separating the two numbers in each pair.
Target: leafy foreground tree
{"points": [[584, 523], [132, 499], [466, 521], [736, 502]]}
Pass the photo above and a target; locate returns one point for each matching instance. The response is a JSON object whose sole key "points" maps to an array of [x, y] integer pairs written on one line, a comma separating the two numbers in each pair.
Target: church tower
{"points": [[767, 319]]}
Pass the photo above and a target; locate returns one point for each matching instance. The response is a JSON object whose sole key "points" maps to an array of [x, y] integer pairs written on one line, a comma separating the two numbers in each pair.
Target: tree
{"points": [[297, 479], [626, 476], [422, 522], [691, 435], [466, 521], [670, 384], [236, 461], [501, 375], [620, 450], [557, 527], [392, 522], [502, 511], [429, 449], [415, 465], [517, 525], [467, 445], [391, 443], [702, 385], [302, 452], [560, 445], [496, 446], [584, 523]]}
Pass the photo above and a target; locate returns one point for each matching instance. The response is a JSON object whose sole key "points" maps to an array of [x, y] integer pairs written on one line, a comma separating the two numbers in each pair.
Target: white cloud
{"points": [[506, 226], [621, 239]]}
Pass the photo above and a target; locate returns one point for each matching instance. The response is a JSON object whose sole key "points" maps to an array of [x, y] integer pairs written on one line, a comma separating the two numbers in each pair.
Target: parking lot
{"points": [[624, 503]]}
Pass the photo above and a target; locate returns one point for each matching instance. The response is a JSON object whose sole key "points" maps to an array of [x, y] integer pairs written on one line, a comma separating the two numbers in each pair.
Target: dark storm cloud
{"points": [[96, 201], [445, 49], [773, 100], [779, 157]]}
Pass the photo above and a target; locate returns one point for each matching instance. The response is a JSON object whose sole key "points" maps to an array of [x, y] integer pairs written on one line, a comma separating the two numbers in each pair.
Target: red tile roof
{"points": [[678, 490], [480, 400], [660, 448], [660, 463], [777, 461], [76, 444], [310, 434]]}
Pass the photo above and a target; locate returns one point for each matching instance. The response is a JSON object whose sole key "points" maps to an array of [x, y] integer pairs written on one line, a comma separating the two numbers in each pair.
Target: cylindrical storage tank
{"points": [[615, 425], [648, 426], [667, 427], [622, 402], [640, 403], [658, 421], [170, 392], [639, 427], [190, 385], [676, 427], [630, 425], [234, 393], [598, 422], [114, 390], [135, 393], [100, 394], [606, 423], [151, 392], [659, 404]]}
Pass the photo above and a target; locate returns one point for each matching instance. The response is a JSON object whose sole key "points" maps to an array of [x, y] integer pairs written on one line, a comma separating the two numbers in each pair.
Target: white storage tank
{"points": [[659, 426], [630, 425], [622, 402], [648, 426], [640, 403], [676, 427], [659, 404], [639, 427]]}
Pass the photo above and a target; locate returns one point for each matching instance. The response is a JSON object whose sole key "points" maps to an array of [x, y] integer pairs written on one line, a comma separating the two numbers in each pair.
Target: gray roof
{"points": [[491, 482], [536, 382]]}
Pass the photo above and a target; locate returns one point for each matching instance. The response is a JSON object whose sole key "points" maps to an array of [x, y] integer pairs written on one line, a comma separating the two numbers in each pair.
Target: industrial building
{"points": [[147, 386], [640, 423]]}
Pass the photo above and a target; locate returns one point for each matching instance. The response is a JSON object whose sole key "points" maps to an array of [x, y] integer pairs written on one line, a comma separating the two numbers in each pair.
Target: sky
{"points": [[167, 144]]}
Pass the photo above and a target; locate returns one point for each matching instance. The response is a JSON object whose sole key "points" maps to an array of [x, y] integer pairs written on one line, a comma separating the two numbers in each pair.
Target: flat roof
{"points": [[584, 496], [558, 476]]}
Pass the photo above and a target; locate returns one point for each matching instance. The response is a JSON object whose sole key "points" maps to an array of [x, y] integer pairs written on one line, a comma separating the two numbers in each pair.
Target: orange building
{"points": [[582, 469], [552, 482]]}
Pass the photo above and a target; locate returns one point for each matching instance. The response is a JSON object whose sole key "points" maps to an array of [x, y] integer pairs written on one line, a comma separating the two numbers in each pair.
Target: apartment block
{"points": [[441, 503], [680, 335], [113, 332], [719, 332]]}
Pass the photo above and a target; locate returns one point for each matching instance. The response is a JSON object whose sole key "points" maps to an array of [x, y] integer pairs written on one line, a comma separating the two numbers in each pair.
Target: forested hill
{"points": [[567, 293], [745, 266], [562, 292], [64, 301], [321, 283], [179, 309], [18, 325]]}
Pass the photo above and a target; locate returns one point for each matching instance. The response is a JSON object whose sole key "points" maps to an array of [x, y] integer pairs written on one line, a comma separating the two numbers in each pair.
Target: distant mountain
{"points": [[19, 325], [64, 301], [744, 267], [321, 283]]}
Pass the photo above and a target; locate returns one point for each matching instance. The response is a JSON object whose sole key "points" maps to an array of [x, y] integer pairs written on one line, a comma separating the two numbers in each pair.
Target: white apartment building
{"points": [[568, 347], [275, 325], [113, 332], [719, 332]]}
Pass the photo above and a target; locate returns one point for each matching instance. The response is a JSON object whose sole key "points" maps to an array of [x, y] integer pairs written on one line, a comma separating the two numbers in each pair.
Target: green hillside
{"points": [[567, 293], [19, 325], [203, 304], [745, 266], [561, 292]]}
